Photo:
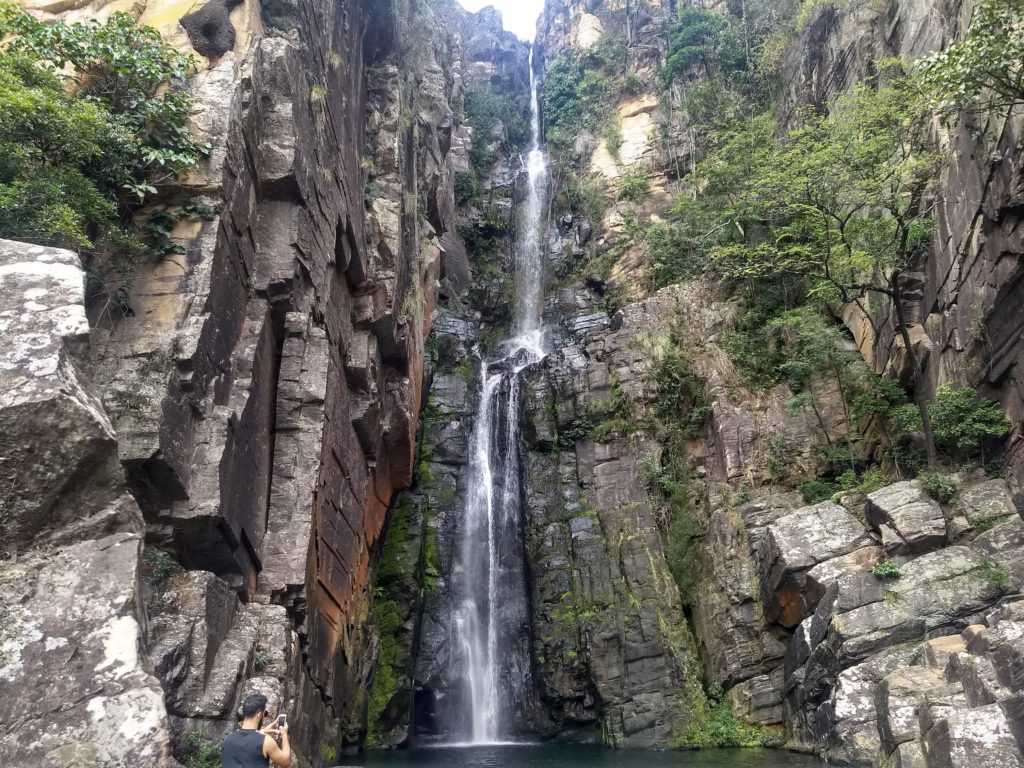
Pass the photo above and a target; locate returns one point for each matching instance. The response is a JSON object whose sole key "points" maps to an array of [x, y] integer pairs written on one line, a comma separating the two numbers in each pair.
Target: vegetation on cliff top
{"points": [[92, 122]]}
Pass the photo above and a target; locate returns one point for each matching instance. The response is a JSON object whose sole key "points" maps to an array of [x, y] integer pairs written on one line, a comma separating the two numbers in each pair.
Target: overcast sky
{"points": [[520, 15]]}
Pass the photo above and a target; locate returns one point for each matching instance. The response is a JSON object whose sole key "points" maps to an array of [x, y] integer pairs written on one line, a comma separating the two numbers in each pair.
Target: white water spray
{"points": [[491, 614]]}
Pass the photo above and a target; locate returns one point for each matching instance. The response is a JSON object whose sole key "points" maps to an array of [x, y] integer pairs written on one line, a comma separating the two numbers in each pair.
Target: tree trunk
{"points": [[915, 365]]}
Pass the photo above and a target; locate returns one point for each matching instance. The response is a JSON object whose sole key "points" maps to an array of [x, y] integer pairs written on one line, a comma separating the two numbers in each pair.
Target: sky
{"points": [[520, 16]]}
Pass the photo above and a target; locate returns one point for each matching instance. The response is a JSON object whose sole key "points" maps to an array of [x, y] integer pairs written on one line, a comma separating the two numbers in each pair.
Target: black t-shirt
{"points": [[243, 749]]}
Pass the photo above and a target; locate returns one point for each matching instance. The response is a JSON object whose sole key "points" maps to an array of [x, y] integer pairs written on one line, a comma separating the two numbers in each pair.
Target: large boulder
{"points": [[54, 436], [795, 544], [74, 689], [910, 522], [981, 504], [74, 686]]}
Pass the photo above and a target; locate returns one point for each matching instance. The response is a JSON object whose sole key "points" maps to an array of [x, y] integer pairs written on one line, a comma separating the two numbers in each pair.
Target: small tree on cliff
{"points": [[845, 204], [986, 68]]}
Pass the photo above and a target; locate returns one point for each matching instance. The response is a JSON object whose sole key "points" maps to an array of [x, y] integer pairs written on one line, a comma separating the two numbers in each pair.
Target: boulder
{"points": [[204, 642], [796, 543], [937, 593], [54, 435], [74, 689], [915, 522], [1004, 546], [74, 683], [972, 737], [898, 699], [984, 502]]}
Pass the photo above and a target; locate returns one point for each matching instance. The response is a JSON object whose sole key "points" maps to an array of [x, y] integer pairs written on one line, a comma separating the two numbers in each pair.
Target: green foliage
{"points": [[844, 198], [939, 487], [886, 569], [670, 488], [694, 40], [484, 109], [575, 96], [610, 418], [675, 254], [467, 187], [609, 53], [872, 480], [986, 68], [992, 572], [200, 752], [711, 725], [92, 121], [613, 136], [681, 409], [634, 184], [159, 565], [61, 159], [586, 197], [982, 524], [963, 420], [261, 660], [632, 84], [815, 491], [561, 102], [390, 663]]}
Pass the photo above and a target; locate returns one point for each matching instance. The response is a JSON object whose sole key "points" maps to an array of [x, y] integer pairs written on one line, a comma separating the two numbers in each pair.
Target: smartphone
{"points": [[282, 720]]}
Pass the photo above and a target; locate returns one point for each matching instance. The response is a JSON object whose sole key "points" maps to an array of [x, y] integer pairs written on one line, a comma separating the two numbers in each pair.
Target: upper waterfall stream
{"points": [[490, 621]]}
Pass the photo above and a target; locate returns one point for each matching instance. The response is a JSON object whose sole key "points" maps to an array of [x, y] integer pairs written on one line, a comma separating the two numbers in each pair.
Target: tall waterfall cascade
{"points": [[491, 617]]}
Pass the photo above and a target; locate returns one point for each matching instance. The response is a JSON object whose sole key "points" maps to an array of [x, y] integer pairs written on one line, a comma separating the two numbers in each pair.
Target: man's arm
{"points": [[280, 755]]}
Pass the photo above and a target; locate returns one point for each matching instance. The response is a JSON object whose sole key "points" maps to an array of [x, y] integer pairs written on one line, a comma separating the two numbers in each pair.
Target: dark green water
{"points": [[570, 756]]}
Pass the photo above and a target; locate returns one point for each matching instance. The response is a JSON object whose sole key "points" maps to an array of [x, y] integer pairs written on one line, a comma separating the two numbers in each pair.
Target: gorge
{"points": [[652, 386]]}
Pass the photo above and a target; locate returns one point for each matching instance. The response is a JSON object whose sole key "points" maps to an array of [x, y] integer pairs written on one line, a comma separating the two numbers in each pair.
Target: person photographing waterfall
{"points": [[250, 746]]}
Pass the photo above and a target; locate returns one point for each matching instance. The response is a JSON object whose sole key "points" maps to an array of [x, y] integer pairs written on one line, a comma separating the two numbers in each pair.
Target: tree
{"points": [[846, 201], [986, 68], [59, 159], [693, 39], [127, 69], [92, 121], [964, 421]]}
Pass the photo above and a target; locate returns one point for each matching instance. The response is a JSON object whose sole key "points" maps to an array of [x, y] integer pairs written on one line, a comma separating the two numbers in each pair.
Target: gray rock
{"points": [[984, 502], [75, 610], [898, 699], [975, 737], [917, 521], [1004, 546], [797, 542]]}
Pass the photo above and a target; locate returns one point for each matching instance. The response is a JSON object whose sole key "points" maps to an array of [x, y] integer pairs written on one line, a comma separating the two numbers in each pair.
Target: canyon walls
{"points": [[253, 475]]}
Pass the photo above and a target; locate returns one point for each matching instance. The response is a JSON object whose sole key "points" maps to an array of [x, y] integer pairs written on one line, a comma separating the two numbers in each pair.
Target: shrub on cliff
{"points": [[694, 40], [963, 421], [986, 68], [92, 120]]}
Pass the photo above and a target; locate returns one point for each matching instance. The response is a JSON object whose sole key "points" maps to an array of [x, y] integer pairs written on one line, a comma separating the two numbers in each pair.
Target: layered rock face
{"points": [[787, 615], [264, 393]]}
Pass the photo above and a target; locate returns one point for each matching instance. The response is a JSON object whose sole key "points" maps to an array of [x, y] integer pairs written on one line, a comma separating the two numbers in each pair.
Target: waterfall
{"points": [[491, 617]]}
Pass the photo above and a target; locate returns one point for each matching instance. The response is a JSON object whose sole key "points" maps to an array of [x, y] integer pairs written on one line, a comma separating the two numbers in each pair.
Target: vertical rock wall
{"points": [[265, 390]]}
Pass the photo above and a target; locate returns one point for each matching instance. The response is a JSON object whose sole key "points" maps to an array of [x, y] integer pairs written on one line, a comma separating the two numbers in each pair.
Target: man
{"points": [[249, 747]]}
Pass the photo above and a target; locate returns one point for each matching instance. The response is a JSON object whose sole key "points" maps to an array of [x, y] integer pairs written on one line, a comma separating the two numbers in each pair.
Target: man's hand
{"points": [[271, 730], [280, 755]]}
